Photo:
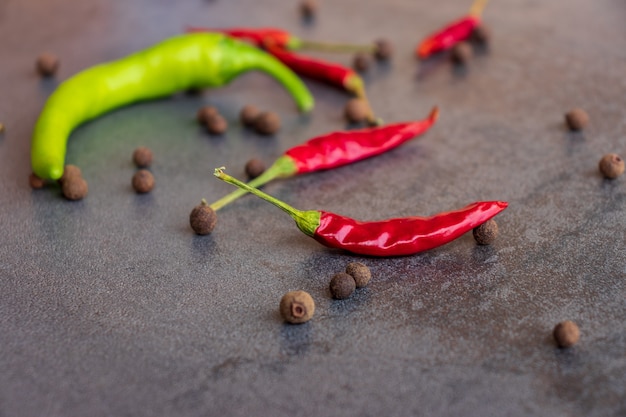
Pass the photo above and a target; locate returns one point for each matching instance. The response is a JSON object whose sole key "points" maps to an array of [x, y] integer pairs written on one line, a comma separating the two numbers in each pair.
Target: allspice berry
{"points": [[70, 171], [577, 119], [142, 157], [461, 53], [360, 273], [342, 286], [254, 168], [248, 115], [361, 62], [74, 188], [143, 181], [356, 110], [611, 166], [481, 35], [297, 307], [205, 113], [267, 123], [216, 124], [47, 64], [486, 233], [202, 219], [308, 9], [35, 182], [566, 334], [384, 49]]}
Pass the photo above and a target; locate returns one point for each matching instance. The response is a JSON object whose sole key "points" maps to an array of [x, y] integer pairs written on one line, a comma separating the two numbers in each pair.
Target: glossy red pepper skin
{"points": [[402, 236], [345, 147], [258, 36], [447, 37]]}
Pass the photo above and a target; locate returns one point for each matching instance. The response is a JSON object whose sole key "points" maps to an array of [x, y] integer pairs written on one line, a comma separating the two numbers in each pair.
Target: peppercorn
{"points": [[254, 168], [342, 285], [360, 273], [70, 171], [142, 157], [297, 307], [74, 188], [566, 334], [143, 181], [384, 49], [216, 124], [47, 64], [611, 166], [202, 219], [267, 123], [577, 119], [308, 9], [481, 35], [248, 115], [205, 113], [461, 53], [356, 110], [35, 182], [486, 233], [361, 62]]}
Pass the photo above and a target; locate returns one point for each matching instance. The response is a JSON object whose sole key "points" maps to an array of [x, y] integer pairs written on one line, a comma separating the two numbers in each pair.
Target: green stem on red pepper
{"points": [[391, 237], [336, 149]]}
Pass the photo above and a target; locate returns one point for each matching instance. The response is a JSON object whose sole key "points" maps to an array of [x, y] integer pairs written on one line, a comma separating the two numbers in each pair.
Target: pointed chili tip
{"points": [[502, 204], [434, 114]]}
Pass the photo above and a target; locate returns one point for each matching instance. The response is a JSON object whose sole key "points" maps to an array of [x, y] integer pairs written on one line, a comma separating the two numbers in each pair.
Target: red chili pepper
{"points": [[392, 237], [452, 34], [336, 149], [283, 39]]}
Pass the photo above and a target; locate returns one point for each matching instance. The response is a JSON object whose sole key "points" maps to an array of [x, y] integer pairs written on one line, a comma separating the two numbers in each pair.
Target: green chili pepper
{"points": [[179, 63]]}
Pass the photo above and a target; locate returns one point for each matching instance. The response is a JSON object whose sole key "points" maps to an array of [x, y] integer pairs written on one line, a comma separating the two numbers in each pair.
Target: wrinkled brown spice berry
{"points": [[481, 35], [384, 49], [566, 334], [461, 53], [267, 123], [297, 307], [308, 9], [70, 171], [360, 273], [342, 286], [47, 64], [254, 168], [361, 62], [486, 233], [356, 110], [248, 115], [202, 219], [577, 119], [143, 181], [216, 124], [142, 157], [205, 113], [74, 188], [35, 182], [611, 166]]}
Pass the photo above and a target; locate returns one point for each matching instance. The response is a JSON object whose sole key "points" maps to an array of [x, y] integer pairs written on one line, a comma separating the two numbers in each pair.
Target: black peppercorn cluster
{"points": [[143, 180], [73, 185], [382, 52], [462, 52], [343, 284], [212, 120]]}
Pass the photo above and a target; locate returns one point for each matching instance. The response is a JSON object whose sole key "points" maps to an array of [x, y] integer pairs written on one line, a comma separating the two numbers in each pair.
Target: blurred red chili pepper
{"points": [[452, 34], [336, 149], [392, 237]]}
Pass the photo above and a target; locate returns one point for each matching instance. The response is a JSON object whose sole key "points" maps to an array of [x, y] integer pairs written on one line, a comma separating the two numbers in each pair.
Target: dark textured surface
{"points": [[111, 306]]}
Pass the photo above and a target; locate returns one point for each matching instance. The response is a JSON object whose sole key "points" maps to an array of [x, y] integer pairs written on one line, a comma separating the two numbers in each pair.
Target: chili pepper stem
{"points": [[477, 8], [283, 167], [307, 221], [335, 47]]}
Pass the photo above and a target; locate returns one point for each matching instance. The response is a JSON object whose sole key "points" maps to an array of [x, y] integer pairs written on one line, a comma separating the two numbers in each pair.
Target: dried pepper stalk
{"points": [[392, 237], [336, 149], [452, 34]]}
